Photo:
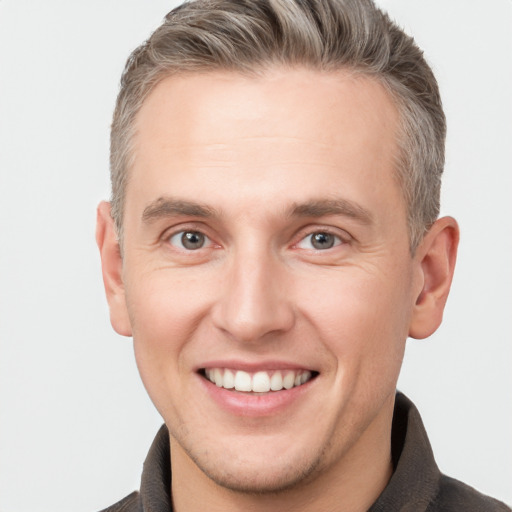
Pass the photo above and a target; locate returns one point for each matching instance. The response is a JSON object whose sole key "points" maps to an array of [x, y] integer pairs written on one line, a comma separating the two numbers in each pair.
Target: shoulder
{"points": [[455, 496], [128, 504]]}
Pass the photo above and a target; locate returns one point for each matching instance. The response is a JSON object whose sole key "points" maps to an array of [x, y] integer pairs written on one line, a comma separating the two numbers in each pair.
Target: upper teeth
{"points": [[259, 382]]}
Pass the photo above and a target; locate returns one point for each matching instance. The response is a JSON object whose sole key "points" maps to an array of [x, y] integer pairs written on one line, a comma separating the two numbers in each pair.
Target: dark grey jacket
{"points": [[417, 485]]}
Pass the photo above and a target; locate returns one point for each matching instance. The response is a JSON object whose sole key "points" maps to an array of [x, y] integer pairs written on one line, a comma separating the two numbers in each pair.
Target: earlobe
{"points": [[435, 260], [112, 265]]}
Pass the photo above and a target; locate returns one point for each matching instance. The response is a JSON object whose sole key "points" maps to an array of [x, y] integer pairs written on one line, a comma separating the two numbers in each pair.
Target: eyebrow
{"points": [[323, 207], [168, 207]]}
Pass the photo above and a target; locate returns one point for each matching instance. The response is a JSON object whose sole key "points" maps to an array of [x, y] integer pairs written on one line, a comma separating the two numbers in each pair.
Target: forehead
{"points": [[291, 102], [285, 134]]}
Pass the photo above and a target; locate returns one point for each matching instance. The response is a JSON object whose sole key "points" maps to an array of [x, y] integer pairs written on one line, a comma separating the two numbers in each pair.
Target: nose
{"points": [[254, 302]]}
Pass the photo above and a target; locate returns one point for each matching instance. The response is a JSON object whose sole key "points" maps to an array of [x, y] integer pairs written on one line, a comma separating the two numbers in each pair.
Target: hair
{"points": [[250, 36]]}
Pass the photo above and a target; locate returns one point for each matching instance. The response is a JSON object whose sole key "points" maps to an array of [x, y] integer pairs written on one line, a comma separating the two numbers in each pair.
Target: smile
{"points": [[257, 382]]}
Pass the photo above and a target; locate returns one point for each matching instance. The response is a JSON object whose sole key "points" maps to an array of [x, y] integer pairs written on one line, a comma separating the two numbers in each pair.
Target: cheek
{"points": [[165, 306], [362, 317], [165, 311]]}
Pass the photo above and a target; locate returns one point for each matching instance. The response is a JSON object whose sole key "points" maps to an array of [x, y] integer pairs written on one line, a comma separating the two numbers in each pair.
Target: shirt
{"points": [[416, 485]]}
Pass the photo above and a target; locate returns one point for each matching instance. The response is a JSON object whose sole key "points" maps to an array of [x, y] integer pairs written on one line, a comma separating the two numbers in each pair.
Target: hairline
{"points": [[388, 84]]}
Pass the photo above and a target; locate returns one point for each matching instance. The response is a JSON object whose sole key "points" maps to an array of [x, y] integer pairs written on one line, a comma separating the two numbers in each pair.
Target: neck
{"points": [[350, 484]]}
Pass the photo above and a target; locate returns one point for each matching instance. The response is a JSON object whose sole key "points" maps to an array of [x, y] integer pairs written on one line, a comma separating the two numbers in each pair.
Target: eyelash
{"points": [[338, 240], [179, 235], [176, 239]]}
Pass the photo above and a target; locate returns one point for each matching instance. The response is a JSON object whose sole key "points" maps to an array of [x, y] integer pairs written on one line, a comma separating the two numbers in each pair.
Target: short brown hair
{"points": [[248, 36]]}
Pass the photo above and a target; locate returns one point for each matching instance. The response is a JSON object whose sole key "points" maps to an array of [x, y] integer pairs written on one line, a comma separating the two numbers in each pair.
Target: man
{"points": [[272, 240]]}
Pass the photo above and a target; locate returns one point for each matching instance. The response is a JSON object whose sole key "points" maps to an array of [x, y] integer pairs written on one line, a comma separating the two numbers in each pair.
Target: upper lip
{"points": [[252, 367]]}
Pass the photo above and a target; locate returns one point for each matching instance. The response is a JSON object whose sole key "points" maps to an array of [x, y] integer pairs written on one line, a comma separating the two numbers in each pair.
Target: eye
{"points": [[189, 240], [319, 240]]}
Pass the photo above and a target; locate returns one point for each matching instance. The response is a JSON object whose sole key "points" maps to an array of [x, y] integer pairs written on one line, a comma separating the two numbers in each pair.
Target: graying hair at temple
{"points": [[251, 36]]}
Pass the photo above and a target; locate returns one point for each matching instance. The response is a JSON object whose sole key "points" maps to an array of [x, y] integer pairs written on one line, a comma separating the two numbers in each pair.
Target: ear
{"points": [[435, 260], [112, 266]]}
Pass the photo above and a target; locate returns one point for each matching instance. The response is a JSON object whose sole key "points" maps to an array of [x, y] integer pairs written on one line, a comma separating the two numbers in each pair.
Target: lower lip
{"points": [[255, 404]]}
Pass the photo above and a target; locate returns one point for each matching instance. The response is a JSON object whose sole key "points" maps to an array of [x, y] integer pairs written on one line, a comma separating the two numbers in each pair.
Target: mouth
{"points": [[262, 381]]}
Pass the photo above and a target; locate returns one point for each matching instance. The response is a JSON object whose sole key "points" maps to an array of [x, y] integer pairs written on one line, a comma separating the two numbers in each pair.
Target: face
{"points": [[266, 272]]}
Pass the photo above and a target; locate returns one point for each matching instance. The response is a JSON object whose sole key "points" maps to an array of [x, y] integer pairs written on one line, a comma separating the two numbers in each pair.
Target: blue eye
{"points": [[320, 240], [189, 240]]}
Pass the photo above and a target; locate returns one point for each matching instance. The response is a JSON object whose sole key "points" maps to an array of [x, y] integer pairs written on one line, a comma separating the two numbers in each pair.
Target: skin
{"points": [[267, 158]]}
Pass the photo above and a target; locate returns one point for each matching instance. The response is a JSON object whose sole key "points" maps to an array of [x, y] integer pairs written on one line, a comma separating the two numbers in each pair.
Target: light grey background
{"points": [[75, 422]]}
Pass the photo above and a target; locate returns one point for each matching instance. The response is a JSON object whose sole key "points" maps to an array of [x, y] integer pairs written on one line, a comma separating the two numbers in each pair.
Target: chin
{"points": [[256, 470], [261, 479]]}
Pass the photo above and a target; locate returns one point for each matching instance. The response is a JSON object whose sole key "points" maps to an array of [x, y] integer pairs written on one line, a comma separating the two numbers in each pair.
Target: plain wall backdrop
{"points": [[75, 421]]}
